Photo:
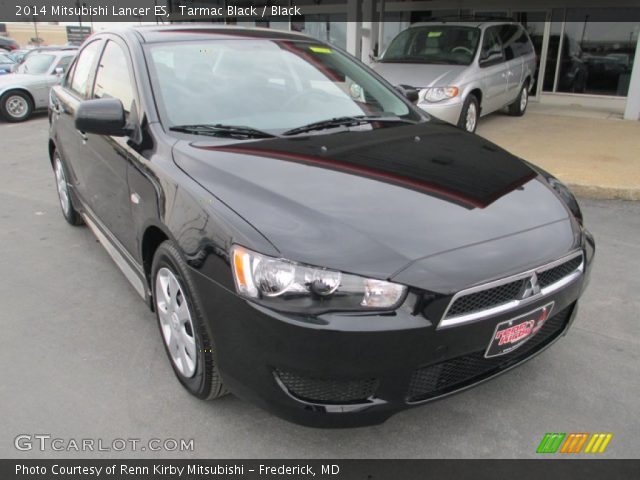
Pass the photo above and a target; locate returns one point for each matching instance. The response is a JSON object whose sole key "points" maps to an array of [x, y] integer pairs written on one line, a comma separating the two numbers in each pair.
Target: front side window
{"points": [[491, 46], [264, 84], [64, 63], [113, 78], [37, 64], [80, 80], [434, 44]]}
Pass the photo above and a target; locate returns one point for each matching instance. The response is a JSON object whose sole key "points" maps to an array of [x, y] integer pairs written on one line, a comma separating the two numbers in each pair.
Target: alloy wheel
{"points": [[63, 188], [16, 106], [524, 98], [470, 121], [175, 322]]}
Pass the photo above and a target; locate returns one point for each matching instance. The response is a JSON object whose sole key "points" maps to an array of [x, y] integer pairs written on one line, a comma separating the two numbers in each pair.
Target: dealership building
{"points": [[588, 52]]}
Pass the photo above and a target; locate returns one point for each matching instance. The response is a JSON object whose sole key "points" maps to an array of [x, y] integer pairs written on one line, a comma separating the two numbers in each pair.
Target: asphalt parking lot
{"points": [[81, 356]]}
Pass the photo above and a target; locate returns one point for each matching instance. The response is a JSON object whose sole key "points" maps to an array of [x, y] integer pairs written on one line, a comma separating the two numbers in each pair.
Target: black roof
{"points": [[190, 31]]}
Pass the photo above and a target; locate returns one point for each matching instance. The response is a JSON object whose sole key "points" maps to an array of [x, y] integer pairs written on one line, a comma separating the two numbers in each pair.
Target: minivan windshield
{"points": [[434, 44], [274, 86]]}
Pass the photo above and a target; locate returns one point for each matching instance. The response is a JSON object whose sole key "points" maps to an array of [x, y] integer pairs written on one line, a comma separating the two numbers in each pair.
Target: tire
{"points": [[470, 107], [69, 212], [519, 105], [186, 338], [16, 106]]}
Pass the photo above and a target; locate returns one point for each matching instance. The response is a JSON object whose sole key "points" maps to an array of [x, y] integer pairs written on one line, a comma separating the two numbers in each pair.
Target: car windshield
{"points": [[434, 44], [269, 85], [36, 64], [5, 58]]}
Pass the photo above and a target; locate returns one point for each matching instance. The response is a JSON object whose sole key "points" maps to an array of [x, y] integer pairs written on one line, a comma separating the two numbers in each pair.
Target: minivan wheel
{"points": [[16, 106], [187, 341], [70, 214], [518, 107], [469, 115]]}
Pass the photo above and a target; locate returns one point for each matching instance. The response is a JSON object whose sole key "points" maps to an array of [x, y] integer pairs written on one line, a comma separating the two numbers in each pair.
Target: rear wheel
{"points": [[16, 106], [187, 340], [469, 115], [518, 107], [70, 214]]}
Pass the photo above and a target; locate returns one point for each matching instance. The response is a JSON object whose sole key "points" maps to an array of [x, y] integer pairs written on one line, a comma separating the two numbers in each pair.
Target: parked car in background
{"points": [[8, 44], [49, 48], [27, 89], [18, 55], [573, 74], [463, 70], [326, 250], [7, 64]]}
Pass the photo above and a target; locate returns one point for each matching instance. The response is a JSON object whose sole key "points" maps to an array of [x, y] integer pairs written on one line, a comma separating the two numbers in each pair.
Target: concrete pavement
{"points": [[81, 355], [596, 154]]}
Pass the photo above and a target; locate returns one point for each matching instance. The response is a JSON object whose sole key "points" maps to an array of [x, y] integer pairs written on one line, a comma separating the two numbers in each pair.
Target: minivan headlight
{"points": [[285, 285], [438, 94]]}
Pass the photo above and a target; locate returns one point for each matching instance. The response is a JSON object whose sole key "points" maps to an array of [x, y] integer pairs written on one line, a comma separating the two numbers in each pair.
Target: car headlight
{"points": [[290, 286], [438, 94]]}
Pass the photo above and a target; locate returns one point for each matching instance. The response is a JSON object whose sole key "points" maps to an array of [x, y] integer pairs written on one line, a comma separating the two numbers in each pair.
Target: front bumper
{"points": [[343, 370], [447, 111]]}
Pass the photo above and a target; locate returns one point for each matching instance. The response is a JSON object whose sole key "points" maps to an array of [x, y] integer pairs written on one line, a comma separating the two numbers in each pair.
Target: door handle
{"points": [[83, 136]]}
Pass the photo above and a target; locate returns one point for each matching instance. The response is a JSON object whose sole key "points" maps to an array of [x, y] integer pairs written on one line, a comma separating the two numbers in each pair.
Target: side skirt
{"points": [[131, 270]]}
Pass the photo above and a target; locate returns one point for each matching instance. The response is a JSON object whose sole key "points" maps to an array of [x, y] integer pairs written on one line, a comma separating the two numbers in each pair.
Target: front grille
{"points": [[435, 380], [551, 276], [486, 298], [327, 391], [474, 303]]}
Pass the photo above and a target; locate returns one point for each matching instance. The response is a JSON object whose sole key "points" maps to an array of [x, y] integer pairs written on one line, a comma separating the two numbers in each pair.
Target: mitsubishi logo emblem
{"points": [[531, 288]]}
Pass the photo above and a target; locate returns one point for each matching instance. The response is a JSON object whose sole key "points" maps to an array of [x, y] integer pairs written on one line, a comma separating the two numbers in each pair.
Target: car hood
{"points": [[374, 202], [419, 75], [17, 79]]}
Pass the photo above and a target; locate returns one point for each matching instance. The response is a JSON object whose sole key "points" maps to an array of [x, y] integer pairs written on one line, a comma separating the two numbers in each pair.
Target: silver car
{"points": [[463, 70], [27, 90]]}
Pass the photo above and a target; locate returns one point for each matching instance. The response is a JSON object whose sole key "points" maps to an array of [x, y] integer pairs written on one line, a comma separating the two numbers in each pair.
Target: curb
{"points": [[605, 193]]}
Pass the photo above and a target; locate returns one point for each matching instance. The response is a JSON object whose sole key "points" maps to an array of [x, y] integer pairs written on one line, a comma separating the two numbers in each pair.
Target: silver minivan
{"points": [[463, 70]]}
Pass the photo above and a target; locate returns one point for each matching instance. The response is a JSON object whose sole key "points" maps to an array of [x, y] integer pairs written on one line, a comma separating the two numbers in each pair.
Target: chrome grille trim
{"points": [[453, 321]]}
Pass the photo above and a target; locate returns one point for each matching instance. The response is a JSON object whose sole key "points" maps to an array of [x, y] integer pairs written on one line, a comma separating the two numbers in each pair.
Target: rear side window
{"points": [[113, 78], [515, 41], [79, 81]]}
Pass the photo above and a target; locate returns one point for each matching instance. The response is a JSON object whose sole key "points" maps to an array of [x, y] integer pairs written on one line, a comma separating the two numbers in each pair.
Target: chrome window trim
{"points": [[515, 303]]}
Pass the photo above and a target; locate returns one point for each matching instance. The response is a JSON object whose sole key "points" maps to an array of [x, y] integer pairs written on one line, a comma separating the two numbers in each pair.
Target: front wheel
{"points": [[518, 107], [16, 106], [181, 319], [469, 115]]}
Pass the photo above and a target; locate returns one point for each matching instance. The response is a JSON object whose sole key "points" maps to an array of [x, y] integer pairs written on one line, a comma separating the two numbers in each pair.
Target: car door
{"points": [[109, 157], [64, 102], [511, 37], [493, 70]]}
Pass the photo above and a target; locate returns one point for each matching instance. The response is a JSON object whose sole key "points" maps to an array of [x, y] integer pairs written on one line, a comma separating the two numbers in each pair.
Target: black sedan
{"points": [[308, 239]]}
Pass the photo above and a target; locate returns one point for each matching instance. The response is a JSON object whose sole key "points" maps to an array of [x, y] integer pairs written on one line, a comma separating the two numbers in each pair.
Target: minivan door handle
{"points": [[83, 136]]}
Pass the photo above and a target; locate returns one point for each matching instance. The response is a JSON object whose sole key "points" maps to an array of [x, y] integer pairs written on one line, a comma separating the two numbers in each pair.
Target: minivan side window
{"points": [[114, 78], [515, 41], [79, 82], [491, 47]]}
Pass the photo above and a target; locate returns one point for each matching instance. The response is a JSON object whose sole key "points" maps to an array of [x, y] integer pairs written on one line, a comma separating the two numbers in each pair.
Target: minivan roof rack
{"points": [[471, 18]]}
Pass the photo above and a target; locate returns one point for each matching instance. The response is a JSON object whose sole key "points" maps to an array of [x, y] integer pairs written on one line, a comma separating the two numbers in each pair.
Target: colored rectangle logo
{"points": [[575, 442]]}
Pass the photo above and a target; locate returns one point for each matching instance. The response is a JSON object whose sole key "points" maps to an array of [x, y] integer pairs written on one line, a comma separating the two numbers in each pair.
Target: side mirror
{"points": [[102, 116], [409, 92], [59, 71]]}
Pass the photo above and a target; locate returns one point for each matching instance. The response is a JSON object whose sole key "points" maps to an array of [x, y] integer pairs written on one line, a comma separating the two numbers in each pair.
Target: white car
{"points": [[27, 90]]}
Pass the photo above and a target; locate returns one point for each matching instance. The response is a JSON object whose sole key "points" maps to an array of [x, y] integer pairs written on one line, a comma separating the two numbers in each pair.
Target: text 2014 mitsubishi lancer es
{"points": [[308, 239]]}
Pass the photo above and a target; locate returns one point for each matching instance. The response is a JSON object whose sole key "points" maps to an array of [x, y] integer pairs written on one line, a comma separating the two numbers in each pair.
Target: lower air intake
{"points": [[327, 391]]}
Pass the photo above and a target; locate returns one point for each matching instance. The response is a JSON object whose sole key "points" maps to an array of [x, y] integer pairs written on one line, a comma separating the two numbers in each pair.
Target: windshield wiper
{"points": [[346, 121], [220, 130]]}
